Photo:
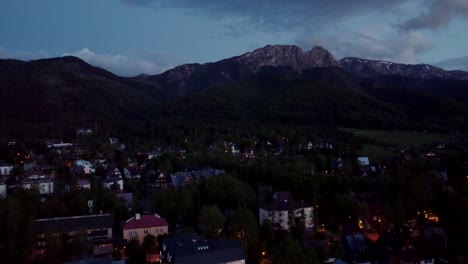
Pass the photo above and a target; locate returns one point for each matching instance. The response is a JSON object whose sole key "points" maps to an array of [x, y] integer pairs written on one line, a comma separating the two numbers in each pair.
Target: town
{"points": [[277, 196]]}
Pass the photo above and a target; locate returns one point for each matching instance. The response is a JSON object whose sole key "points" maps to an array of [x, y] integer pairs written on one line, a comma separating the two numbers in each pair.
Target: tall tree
{"points": [[213, 221]]}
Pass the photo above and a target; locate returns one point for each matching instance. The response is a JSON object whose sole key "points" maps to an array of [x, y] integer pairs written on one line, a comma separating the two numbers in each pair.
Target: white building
{"points": [[278, 211], [5, 168], [87, 166], [37, 179]]}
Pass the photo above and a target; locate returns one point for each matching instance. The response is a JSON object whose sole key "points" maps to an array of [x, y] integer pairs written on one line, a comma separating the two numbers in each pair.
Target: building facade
{"points": [[96, 228], [282, 207], [142, 225], [37, 179]]}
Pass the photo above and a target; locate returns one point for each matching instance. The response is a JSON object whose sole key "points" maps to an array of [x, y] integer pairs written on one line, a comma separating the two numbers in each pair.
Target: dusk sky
{"points": [[129, 37]]}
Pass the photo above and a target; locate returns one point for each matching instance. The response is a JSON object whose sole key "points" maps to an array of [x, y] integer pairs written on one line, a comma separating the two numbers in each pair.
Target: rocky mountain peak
{"points": [[287, 55]]}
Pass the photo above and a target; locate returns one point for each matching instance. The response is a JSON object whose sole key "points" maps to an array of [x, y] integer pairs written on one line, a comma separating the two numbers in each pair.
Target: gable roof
{"points": [[145, 221]]}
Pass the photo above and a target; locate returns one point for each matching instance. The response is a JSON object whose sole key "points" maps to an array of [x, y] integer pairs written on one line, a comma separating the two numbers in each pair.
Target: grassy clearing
{"points": [[407, 138], [375, 153]]}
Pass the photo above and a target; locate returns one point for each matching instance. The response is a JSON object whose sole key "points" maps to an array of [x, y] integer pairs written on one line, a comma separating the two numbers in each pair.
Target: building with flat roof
{"points": [[97, 228], [186, 249]]}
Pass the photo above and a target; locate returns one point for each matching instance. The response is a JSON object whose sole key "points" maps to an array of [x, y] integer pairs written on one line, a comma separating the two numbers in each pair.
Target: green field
{"points": [[375, 153], [403, 138]]}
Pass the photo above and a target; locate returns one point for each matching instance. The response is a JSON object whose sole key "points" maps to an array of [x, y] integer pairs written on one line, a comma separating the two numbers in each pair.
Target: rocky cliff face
{"points": [[189, 78], [287, 55], [373, 68]]}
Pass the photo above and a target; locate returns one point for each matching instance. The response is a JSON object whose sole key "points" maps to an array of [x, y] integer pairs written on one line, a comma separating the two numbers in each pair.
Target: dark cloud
{"points": [[277, 14], [438, 15]]}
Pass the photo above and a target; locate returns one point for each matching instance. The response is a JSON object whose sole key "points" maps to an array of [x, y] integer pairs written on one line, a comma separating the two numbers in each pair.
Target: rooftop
{"points": [[196, 249], [73, 223], [150, 220]]}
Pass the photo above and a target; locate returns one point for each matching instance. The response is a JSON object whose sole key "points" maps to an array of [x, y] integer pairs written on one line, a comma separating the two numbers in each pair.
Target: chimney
{"points": [[137, 216]]}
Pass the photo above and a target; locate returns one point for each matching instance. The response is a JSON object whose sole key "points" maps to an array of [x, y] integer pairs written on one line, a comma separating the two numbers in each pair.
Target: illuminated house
{"points": [[279, 210]]}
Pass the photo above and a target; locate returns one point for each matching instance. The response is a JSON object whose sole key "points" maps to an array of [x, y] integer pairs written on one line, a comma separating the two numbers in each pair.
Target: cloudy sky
{"points": [[129, 37]]}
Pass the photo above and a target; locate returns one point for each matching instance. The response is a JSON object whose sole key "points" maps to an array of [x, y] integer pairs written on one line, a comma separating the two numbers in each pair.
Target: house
{"points": [[5, 168], [3, 189], [181, 178], [113, 171], [142, 225], [155, 153], [161, 181], [114, 183], [83, 184], [279, 209], [133, 171], [196, 249], [309, 146], [83, 132], [86, 165], [37, 179], [97, 229], [113, 140], [363, 163]]}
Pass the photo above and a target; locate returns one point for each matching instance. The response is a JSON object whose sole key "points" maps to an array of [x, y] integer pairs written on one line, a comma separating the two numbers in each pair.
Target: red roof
{"points": [[145, 221]]}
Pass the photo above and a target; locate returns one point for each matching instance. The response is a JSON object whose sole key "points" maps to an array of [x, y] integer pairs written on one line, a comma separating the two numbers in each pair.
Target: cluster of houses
{"points": [[281, 209]]}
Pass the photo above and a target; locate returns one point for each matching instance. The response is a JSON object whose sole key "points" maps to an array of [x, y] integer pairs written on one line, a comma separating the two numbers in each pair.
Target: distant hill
{"points": [[275, 84], [319, 97], [454, 64], [374, 68], [67, 90]]}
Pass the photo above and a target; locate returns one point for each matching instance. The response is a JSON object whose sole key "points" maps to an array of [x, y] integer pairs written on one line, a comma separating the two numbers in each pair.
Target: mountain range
{"points": [[454, 64], [279, 83]]}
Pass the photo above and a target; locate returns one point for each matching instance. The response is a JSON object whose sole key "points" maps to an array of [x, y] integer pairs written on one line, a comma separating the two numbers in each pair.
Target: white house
{"points": [[278, 211], [88, 168], [363, 163], [37, 179], [5, 168]]}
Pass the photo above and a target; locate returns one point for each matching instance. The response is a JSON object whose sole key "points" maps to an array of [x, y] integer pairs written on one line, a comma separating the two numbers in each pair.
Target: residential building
{"points": [[278, 211], [113, 171], [87, 166], [181, 178], [5, 168], [97, 228], [142, 225], [195, 249], [114, 183], [83, 184], [38, 179], [363, 163], [161, 181]]}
